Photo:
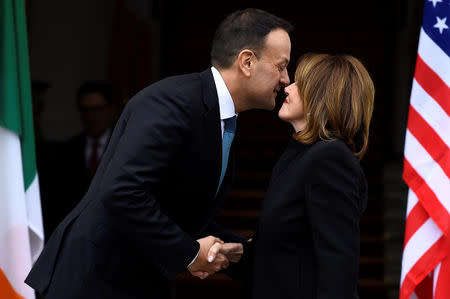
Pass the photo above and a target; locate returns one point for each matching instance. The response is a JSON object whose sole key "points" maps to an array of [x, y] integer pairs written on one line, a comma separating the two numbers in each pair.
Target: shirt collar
{"points": [[226, 103], [102, 140]]}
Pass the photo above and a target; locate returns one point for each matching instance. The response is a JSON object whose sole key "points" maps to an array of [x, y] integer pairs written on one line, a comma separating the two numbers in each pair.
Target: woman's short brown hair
{"points": [[337, 94]]}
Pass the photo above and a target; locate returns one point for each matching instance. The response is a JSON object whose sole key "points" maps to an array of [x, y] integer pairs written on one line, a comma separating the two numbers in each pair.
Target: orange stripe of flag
{"points": [[6, 289]]}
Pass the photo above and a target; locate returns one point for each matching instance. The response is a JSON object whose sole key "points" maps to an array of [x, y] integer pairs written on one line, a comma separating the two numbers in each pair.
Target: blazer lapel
{"points": [[213, 131], [293, 149]]}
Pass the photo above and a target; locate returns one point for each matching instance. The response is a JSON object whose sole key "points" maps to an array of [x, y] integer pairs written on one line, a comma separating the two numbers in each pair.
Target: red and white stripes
{"points": [[426, 253]]}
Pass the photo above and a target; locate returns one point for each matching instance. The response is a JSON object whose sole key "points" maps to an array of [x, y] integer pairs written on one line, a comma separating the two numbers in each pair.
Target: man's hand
{"points": [[202, 267], [232, 251]]}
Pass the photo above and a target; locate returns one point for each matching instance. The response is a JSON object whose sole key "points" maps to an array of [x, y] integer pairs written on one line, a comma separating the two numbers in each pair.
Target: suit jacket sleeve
{"points": [[151, 132], [242, 270], [333, 211]]}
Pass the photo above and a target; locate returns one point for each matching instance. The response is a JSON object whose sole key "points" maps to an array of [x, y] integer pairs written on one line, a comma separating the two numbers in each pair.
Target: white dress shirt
{"points": [[226, 104]]}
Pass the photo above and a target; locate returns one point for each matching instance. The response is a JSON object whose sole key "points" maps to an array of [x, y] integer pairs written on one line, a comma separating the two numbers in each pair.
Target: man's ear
{"points": [[245, 62]]}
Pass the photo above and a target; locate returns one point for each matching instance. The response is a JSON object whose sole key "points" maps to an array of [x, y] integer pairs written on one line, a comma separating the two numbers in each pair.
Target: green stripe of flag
{"points": [[15, 87]]}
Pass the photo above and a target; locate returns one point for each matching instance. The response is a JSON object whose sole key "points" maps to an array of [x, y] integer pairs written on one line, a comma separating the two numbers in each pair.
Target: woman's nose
{"points": [[286, 89]]}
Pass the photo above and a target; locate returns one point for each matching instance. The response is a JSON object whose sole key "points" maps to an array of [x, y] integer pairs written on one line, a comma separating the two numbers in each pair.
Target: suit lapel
{"points": [[292, 151], [213, 131]]}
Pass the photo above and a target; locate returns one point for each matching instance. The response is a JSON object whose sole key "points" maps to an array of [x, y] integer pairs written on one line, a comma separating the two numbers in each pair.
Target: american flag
{"points": [[426, 253]]}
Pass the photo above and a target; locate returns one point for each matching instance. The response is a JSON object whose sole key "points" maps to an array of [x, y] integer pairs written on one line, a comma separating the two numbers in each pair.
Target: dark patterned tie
{"points": [[93, 163]]}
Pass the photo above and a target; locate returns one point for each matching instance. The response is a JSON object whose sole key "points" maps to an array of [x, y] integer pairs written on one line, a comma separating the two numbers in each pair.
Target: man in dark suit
{"points": [[83, 152], [78, 157], [166, 172]]}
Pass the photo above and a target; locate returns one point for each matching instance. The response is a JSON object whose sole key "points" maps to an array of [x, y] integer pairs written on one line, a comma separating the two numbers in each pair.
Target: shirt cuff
{"points": [[193, 260]]}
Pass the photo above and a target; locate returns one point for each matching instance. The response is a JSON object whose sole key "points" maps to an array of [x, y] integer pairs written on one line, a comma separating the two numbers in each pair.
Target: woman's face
{"points": [[292, 108]]}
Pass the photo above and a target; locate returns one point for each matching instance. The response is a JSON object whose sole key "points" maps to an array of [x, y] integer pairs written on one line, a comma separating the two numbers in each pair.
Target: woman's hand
{"points": [[233, 251]]}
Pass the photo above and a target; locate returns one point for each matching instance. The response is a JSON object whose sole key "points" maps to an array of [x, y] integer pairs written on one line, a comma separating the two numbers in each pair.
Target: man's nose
{"points": [[284, 80]]}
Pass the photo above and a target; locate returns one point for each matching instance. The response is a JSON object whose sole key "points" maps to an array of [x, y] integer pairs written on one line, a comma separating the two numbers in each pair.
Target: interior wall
{"points": [[69, 44], [405, 54]]}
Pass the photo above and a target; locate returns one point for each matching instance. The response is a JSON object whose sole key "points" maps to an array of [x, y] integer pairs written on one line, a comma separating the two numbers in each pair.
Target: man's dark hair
{"points": [[243, 29], [103, 88]]}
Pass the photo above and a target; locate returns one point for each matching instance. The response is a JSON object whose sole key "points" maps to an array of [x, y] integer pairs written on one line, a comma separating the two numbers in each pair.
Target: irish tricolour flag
{"points": [[21, 233]]}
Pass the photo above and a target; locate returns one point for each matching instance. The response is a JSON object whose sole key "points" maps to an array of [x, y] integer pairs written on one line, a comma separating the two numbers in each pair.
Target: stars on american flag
{"points": [[440, 24], [434, 2]]}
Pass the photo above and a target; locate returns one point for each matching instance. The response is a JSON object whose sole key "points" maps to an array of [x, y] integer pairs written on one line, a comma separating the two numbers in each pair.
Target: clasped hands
{"points": [[214, 255]]}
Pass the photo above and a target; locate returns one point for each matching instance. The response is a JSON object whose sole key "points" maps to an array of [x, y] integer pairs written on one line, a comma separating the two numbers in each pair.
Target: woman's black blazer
{"points": [[308, 237]]}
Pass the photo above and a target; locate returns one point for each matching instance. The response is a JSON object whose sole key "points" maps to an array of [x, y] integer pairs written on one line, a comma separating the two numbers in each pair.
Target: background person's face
{"points": [[96, 114], [270, 74]]}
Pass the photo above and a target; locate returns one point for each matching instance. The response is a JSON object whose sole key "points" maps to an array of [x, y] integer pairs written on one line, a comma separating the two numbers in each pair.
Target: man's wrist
{"points": [[196, 256]]}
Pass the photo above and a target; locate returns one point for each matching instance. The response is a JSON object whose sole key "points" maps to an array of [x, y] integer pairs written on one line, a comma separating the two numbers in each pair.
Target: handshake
{"points": [[214, 255]]}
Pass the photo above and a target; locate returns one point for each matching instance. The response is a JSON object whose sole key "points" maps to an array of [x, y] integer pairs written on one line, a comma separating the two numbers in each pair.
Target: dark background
{"points": [[135, 43]]}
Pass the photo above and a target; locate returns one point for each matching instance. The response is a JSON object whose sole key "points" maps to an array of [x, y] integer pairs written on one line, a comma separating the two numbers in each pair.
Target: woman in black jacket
{"points": [[307, 242]]}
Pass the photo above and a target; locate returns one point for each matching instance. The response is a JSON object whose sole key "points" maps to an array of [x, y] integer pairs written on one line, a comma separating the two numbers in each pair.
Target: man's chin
{"points": [[269, 106]]}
